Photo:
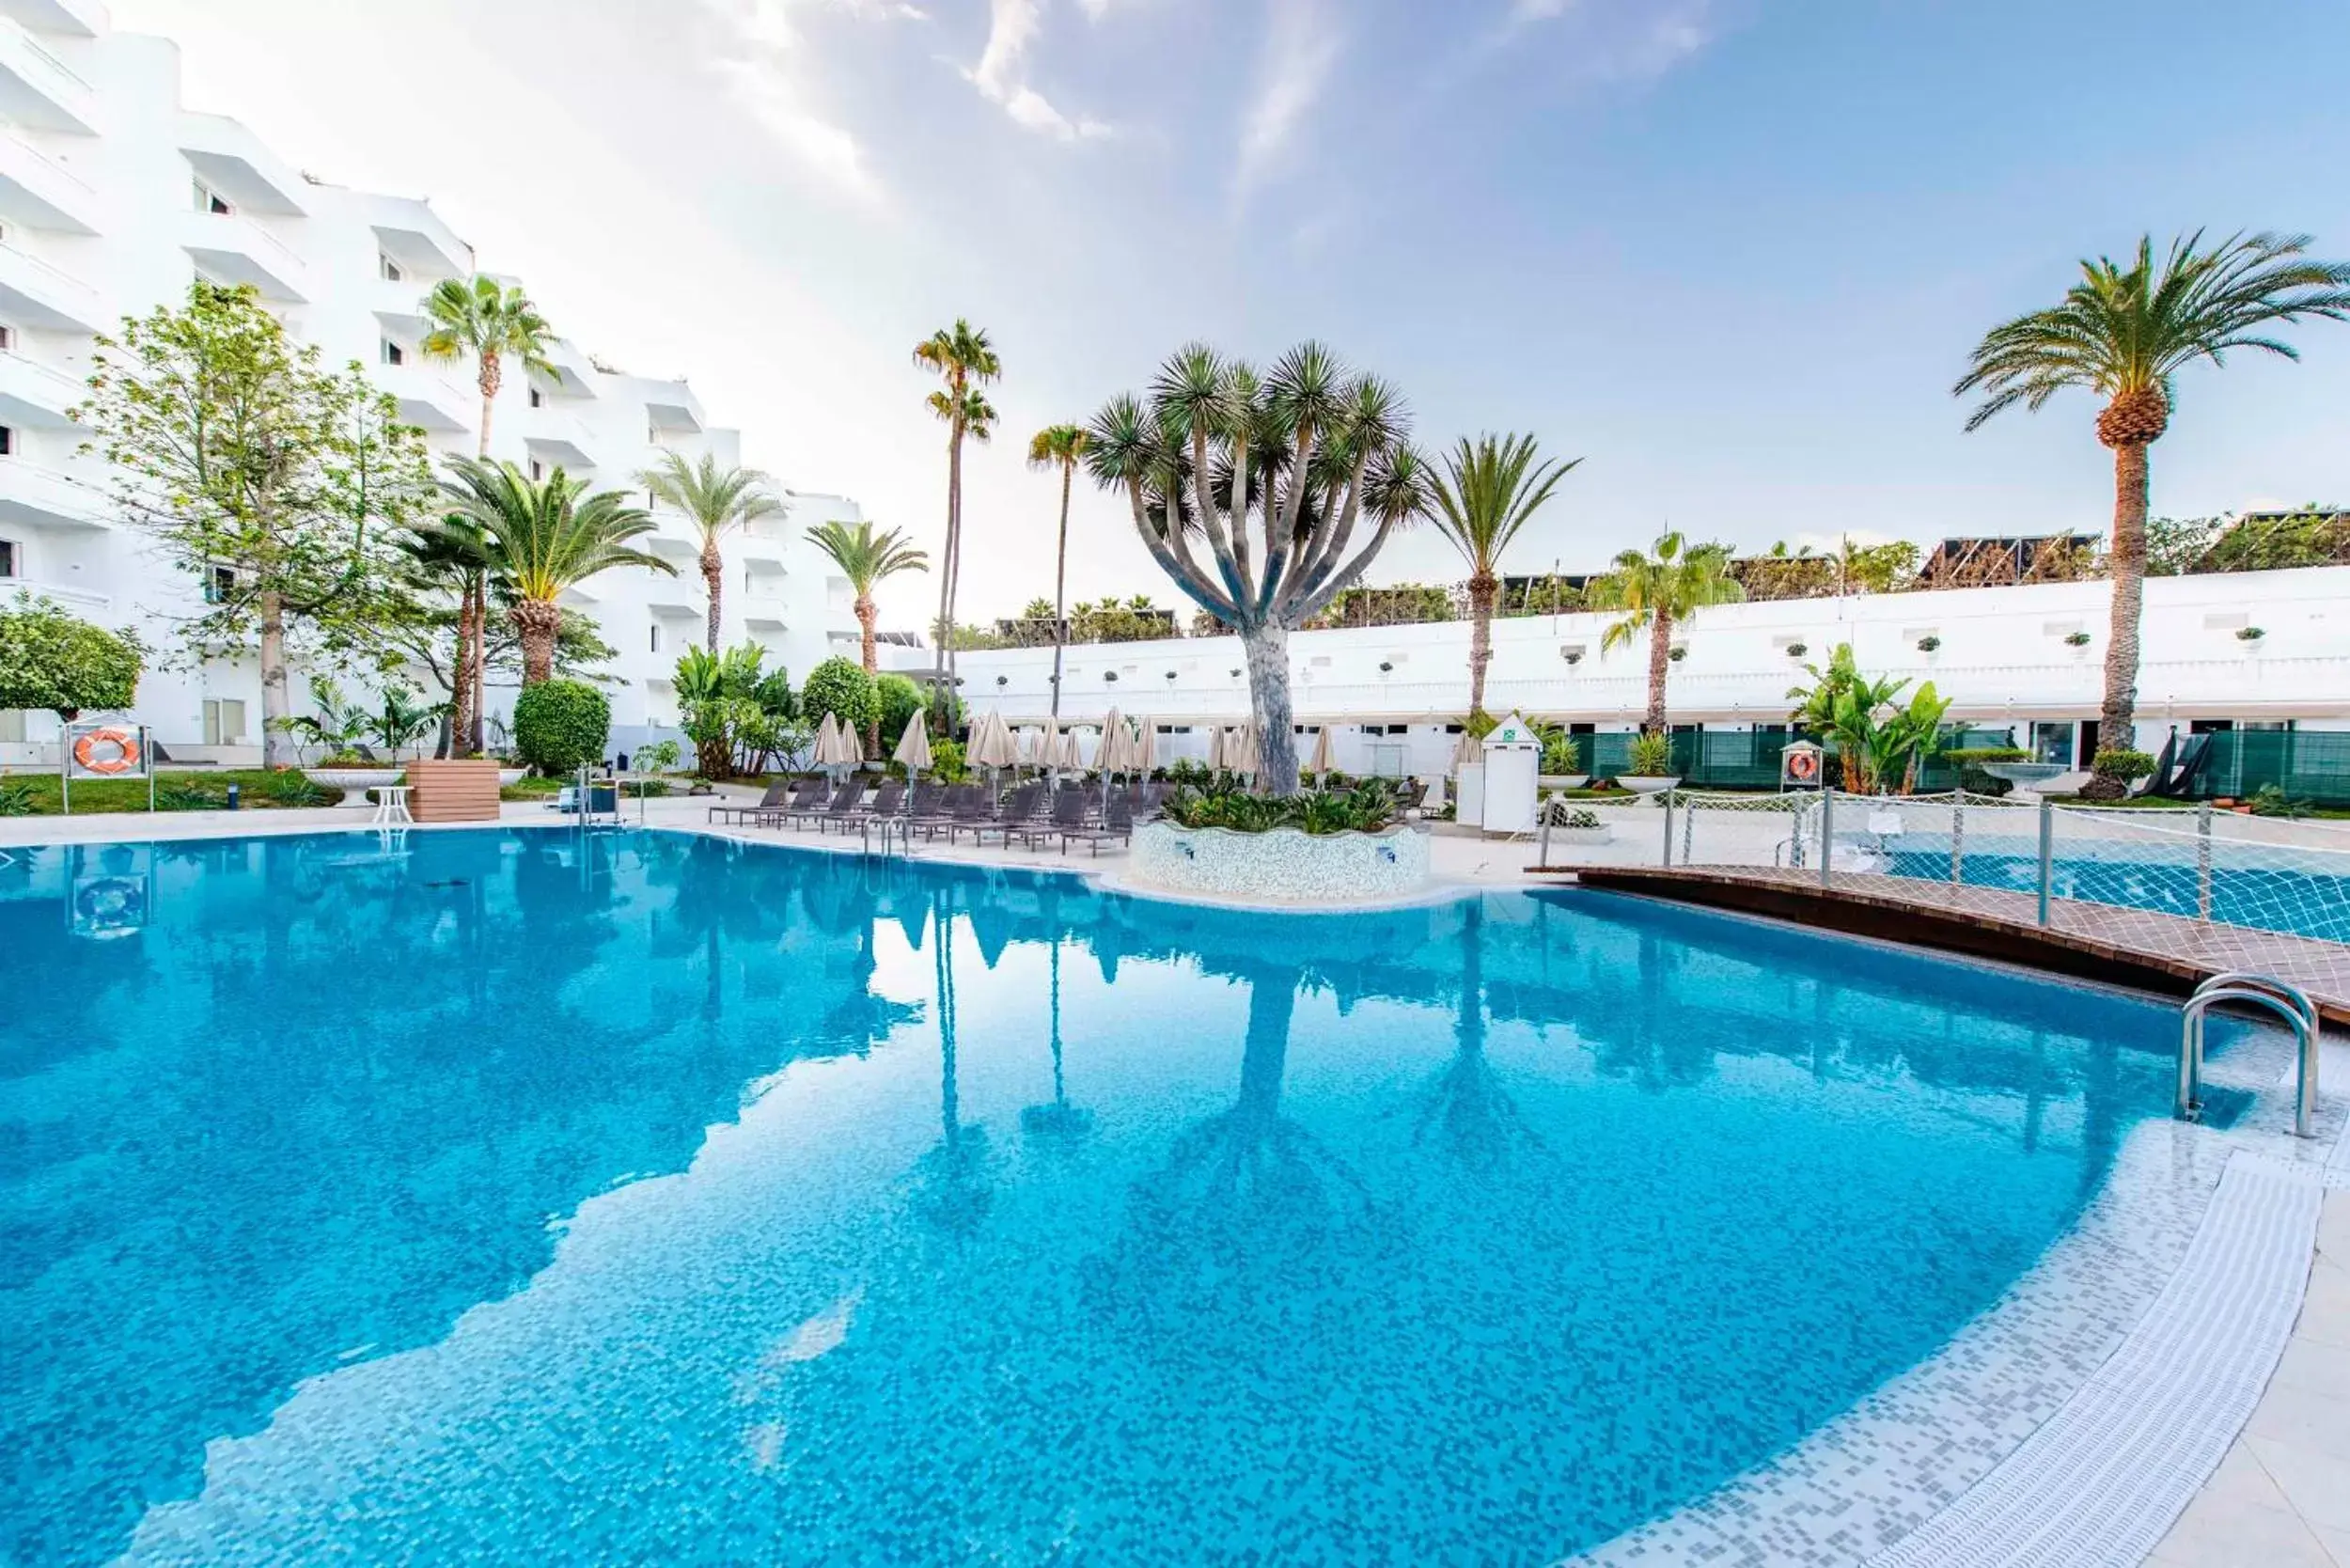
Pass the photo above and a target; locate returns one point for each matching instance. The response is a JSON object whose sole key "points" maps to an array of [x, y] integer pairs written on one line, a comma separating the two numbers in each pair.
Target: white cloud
{"points": [[1012, 25], [764, 64], [1301, 48], [1629, 39]]}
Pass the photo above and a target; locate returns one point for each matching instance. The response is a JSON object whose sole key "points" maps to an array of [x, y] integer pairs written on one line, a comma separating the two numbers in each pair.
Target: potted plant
{"points": [[1797, 650], [2077, 639], [1679, 652], [1652, 765], [1928, 644], [1562, 762], [2249, 634], [354, 773]]}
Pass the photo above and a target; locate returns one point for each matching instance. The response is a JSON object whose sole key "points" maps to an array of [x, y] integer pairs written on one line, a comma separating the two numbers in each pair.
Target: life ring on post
{"points": [[125, 756], [1803, 767]]}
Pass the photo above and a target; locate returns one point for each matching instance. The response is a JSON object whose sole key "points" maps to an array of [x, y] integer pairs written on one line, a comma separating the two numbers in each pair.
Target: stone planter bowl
{"points": [[1562, 780], [1283, 866], [508, 777], [353, 782], [1647, 783]]}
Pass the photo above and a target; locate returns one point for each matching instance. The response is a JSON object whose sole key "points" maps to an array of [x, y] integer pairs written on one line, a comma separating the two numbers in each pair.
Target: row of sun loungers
{"points": [[1026, 815]]}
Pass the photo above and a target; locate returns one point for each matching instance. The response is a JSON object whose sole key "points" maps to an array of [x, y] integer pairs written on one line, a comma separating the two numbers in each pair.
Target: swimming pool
{"points": [[521, 1196]]}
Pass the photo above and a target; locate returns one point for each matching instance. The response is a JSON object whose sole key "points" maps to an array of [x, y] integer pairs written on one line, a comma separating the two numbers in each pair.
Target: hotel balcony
{"points": [[430, 398], [38, 89], [229, 248], [36, 294], [762, 608], [411, 233], [234, 161], [50, 497], [573, 371], [84, 19], [557, 439], [33, 395], [764, 545], [670, 546], [673, 409], [39, 192]]}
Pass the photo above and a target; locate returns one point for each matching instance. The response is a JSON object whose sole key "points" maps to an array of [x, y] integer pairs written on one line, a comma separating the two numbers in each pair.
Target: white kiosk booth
{"points": [[1514, 755]]}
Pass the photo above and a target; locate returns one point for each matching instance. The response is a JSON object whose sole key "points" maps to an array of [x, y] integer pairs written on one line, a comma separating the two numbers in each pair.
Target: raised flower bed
{"points": [[1281, 865]]}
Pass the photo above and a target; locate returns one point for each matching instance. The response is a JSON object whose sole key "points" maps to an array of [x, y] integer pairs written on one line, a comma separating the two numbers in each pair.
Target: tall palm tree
{"points": [[2123, 332], [965, 359], [452, 551], [488, 319], [716, 501], [1060, 446], [543, 537], [1489, 491], [865, 557], [1657, 593]]}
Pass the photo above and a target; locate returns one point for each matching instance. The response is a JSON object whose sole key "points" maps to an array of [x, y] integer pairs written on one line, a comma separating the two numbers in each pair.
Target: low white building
{"points": [[2027, 657], [114, 197]]}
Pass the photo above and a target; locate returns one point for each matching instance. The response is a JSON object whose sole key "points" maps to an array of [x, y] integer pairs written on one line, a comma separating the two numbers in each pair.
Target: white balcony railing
{"points": [[51, 497], [40, 192], [34, 393], [45, 296], [242, 251], [51, 93]]}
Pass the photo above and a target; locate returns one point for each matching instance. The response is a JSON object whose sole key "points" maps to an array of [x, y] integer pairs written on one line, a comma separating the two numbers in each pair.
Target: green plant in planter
{"points": [[2077, 639], [1797, 650], [2121, 765], [1652, 756], [2249, 634], [1561, 755], [1969, 762], [660, 757], [1927, 644]]}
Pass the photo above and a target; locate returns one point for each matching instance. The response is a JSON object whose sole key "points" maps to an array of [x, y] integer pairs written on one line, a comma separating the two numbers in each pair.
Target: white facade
{"points": [[2003, 655], [113, 198]]}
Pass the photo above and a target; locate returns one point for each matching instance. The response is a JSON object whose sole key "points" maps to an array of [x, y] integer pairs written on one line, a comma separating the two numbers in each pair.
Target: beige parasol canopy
{"points": [[1242, 751], [1216, 749], [992, 745], [827, 744], [1323, 761], [1470, 752], [913, 747], [1146, 746]]}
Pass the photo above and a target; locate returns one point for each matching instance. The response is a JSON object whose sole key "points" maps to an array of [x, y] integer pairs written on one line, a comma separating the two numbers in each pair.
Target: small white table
{"points": [[391, 803]]}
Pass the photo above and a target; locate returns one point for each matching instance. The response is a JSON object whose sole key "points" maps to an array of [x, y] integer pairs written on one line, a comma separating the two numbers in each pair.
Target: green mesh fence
{"points": [[2306, 765], [1747, 760]]}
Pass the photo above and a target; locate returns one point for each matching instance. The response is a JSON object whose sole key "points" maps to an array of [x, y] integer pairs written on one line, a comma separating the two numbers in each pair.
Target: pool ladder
{"points": [[2287, 1001]]}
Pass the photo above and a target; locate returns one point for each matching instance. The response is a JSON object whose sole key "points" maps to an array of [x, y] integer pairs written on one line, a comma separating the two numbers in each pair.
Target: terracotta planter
{"points": [[464, 791]]}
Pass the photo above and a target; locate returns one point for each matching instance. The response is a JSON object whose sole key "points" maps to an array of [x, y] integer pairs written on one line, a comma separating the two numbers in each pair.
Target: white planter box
{"points": [[1284, 866]]}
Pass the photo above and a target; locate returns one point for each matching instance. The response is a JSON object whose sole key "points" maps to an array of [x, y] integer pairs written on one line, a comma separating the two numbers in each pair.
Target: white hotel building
{"points": [[112, 197]]}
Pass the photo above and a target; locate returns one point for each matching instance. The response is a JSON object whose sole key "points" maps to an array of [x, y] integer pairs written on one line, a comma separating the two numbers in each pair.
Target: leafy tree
{"points": [[541, 538], [716, 501], [1489, 490], [964, 360], [281, 486], [842, 689], [1302, 454], [1058, 448], [718, 699], [865, 557], [49, 659], [487, 320], [1658, 593], [402, 719], [561, 725], [2124, 332], [899, 699]]}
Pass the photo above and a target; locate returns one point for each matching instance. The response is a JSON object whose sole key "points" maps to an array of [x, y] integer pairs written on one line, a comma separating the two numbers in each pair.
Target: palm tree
{"points": [[452, 551], [1657, 593], [1060, 446], [543, 537], [1303, 455], [2122, 333], [1490, 490], [716, 501], [865, 557], [488, 319], [962, 355]]}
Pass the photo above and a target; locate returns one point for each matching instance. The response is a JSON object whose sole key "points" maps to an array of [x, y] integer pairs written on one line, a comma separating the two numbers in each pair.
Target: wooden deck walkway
{"points": [[2128, 946]]}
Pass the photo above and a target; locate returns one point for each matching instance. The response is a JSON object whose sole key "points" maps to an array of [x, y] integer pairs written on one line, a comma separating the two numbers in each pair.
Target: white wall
{"points": [[103, 221]]}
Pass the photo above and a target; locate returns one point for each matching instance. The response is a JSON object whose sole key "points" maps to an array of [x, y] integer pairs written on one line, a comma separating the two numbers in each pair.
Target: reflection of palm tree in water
{"points": [[1060, 1123], [953, 1179], [1648, 1038], [1481, 1126]]}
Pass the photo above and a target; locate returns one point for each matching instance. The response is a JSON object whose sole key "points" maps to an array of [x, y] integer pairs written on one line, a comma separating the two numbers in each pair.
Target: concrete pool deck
{"points": [[2278, 1492]]}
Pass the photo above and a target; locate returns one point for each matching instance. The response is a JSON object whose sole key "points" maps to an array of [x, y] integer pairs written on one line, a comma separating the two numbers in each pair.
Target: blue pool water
{"points": [[2299, 903], [516, 1197]]}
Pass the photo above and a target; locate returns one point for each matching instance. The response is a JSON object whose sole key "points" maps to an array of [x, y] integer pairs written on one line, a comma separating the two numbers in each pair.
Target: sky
{"points": [[1731, 253]]}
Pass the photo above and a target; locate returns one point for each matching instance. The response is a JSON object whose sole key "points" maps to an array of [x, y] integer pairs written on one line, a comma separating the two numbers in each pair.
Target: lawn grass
{"points": [[37, 794]]}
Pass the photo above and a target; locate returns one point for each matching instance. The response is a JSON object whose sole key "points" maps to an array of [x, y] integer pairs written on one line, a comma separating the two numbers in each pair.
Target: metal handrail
{"points": [[2280, 998]]}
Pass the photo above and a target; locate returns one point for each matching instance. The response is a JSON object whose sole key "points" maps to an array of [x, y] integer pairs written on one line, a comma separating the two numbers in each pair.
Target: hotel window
{"points": [[223, 721], [220, 583], [538, 399], [391, 269], [8, 441], [654, 640], [394, 353], [208, 200], [8, 338], [538, 469], [7, 557]]}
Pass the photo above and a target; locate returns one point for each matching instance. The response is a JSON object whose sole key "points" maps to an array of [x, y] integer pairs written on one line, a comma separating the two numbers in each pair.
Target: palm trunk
{"points": [[1061, 587], [461, 681], [946, 630], [1483, 587], [713, 579], [954, 574], [866, 614], [489, 383], [276, 751], [1267, 646], [1660, 654], [480, 739], [2128, 562], [536, 622]]}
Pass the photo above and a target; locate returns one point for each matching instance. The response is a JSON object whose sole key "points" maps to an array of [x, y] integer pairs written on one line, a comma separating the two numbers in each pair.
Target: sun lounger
{"points": [[1069, 808], [1019, 808], [808, 796], [847, 802], [777, 795], [1116, 823]]}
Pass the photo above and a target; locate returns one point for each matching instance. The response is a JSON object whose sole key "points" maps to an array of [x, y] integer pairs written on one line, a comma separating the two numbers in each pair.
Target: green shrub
{"points": [[841, 688], [1652, 756], [1364, 808], [1561, 755], [2272, 801], [2124, 765], [17, 799], [559, 725]]}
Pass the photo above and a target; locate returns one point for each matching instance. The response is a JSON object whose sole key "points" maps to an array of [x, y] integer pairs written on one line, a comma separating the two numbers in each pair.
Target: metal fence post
{"points": [[1958, 839], [1827, 834], [1669, 829], [2047, 854], [2202, 862]]}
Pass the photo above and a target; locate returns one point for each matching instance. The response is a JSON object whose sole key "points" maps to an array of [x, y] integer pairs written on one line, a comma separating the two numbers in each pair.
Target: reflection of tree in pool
{"points": [[1638, 1031], [1481, 1126], [952, 1179], [1059, 1125]]}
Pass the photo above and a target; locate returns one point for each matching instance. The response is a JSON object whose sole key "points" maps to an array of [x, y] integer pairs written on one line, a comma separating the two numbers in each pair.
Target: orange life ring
{"points": [[126, 755], [1803, 767]]}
